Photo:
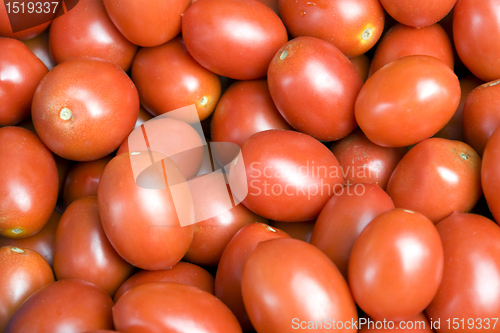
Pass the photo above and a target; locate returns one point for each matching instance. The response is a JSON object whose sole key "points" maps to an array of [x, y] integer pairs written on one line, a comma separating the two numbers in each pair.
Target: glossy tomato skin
{"points": [[472, 265], [314, 87], [73, 35], [396, 265], [418, 13], [401, 40], [172, 307], [437, 177], [353, 26], [24, 271], [301, 280], [6, 29], [363, 161], [182, 272], [163, 19], [230, 269], [20, 72], [77, 115], [168, 78], [407, 101], [244, 109], [289, 175], [236, 39], [145, 234], [490, 175], [343, 219], [475, 25], [70, 306], [29, 183], [80, 243]]}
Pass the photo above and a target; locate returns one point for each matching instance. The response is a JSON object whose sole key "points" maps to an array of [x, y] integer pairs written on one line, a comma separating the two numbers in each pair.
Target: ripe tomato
{"points": [[6, 29], [418, 13], [396, 265], [490, 175], [314, 87], [407, 101]]}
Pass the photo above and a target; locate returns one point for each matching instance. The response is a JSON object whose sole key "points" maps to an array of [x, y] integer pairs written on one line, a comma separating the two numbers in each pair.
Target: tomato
{"points": [[289, 175], [172, 307], [232, 38], [469, 288], [362, 161], [481, 115], [168, 78], [23, 272], [6, 29], [149, 23], [407, 101], [437, 177], [143, 224], [314, 87], [417, 324], [343, 219], [20, 74], [87, 31], [77, 115], [182, 272], [402, 40], [475, 26], [490, 176], [298, 230], [28, 183], [297, 281], [69, 306], [353, 26], [418, 13], [245, 108], [232, 261], [396, 265]]}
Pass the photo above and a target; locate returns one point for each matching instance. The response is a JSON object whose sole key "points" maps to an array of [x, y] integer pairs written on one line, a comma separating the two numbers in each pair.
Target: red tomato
{"points": [[20, 74], [417, 324], [396, 265], [490, 174], [353, 26], [288, 284], [343, 219], [418, 13], [23, 272], [437, 177], [87, 31], [6, 29], [298, 230], [314, 87], [168, 78], [475, 26], [407, 101], [232, 38], [76, 113], [39, 45], [469, 289], [28, 183], [70, 306], [172, 307], [148, 23], [245, 108], [289, 175]]}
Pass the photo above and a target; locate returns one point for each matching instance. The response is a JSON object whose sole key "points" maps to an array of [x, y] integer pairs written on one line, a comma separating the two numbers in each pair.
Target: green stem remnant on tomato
{"points": [[204, 101], [17, 231], [464, 156], [367, 33], [283, 55], [17, 250], [65, 114]]}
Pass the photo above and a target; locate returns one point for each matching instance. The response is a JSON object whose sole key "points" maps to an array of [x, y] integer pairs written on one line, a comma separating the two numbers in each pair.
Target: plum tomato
{"points": [[87, 31], [20, 74], [418, 13], [244, 109], [172, 307], [469, 288], [233, 38], [39, 45], [28, 183], [343, 219], [314, 87], [84, 108], [24, 271], [168, 78], [289, 175], [407, 101], [70, 306], [287, 284], [437, 177], [396, 265], [490, 174], [353, 26], [6, 29]]}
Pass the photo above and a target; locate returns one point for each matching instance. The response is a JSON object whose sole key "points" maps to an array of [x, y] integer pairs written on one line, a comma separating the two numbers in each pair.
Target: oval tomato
{"points": [[490, 174], [418, 13]]}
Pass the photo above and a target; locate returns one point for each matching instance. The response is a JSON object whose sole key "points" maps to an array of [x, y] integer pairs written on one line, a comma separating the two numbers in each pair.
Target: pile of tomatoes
{"points": [[250, 165]]}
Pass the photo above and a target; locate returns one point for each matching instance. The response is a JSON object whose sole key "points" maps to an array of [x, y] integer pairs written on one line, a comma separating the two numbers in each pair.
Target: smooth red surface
{"points": [[490, 174], [418, 13]]}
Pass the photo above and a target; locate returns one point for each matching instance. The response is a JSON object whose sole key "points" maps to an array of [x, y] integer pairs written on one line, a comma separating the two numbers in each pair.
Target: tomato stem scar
{"points": [[17, 231], [17, 250], [204, 101], [283, 55], [367, 33], [464, 156], [270, 229], [65, 114]]}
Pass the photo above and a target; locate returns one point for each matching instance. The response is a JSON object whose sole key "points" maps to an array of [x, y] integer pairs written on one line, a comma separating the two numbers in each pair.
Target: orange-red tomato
{"points": [[490, 174], [418, 13]]}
